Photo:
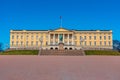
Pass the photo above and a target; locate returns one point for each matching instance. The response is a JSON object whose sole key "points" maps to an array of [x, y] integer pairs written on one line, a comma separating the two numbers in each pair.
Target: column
{"points": [[68, 39], [72, 39], [63, 38], [49, 39], [58, 39], [54, 39]]}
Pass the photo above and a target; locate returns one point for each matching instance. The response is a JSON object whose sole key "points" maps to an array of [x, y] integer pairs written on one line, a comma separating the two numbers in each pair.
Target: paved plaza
{"points": [[59, 67]]}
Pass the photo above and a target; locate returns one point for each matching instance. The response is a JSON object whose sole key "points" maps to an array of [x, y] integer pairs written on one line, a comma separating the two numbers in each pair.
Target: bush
{"points": [[101, 52], [20, 52]]}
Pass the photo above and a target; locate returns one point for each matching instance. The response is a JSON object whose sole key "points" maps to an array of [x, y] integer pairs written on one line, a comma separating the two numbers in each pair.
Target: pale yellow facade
{"points": [[72, 39]]}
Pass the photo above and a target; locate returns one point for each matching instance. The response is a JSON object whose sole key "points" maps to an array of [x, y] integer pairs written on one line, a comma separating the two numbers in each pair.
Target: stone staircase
{"points": [[62, 52]]}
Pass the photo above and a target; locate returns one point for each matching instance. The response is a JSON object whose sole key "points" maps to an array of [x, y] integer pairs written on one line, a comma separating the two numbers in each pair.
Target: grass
{"points": [[20, 52], [35, 52], [101, 52]]}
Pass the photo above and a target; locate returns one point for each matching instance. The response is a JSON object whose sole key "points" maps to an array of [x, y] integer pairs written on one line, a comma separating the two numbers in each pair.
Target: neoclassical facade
{"points": [[52, 39]]}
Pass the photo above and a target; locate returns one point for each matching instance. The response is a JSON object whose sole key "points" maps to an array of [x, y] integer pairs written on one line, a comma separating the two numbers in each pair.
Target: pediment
{"points": [[61, 29]]}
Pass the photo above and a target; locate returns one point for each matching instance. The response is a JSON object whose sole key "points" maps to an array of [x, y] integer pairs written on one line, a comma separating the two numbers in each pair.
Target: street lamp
{"points": [[82, 40], [41, 41], [7, 46]]}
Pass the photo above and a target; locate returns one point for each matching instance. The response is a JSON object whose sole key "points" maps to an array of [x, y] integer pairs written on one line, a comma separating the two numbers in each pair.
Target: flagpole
{"points": [[60, 21]]}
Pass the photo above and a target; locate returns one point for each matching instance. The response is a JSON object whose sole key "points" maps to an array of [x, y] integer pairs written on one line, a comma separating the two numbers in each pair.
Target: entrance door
{"points": [[61, 46]]}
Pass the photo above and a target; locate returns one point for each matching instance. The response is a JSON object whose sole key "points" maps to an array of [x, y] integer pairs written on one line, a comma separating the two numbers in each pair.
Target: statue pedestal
{"points": [[61, 46]]}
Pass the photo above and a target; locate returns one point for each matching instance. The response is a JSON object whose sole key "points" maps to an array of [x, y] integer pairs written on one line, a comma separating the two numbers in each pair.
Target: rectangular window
{"points": [[17, 36], [94, 37], [12, 43], [90, 43], [104, 37], [21, 43], [85, 37], [36, 43], [31, 43], [75, 37], [75, 42], [80, 43], [80, 37], [27, 43], [85, 43], [55, 37], [17, 43], [46, 43], [32, 37], [90, 37], [21, 37], [95, 43], [109, 43], [70, 37], [27, 37], [12, 36], [109, 37], [105, 43], [100, 37], [36, 37]]}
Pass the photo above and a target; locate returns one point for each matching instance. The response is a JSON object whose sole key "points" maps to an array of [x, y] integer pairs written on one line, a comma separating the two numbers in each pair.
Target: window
{"points": [[31, 43], [47, 37], [70, 43], [94, 37], [85, 43], [17, 36], [21, 43], [90, 43], [36, 43], [51, 42], [17, 43], [32, 37], [95, 43], [100, 37], [105, 43], [46, 43], [109, 43], [80, 37], [80, 43], [66, 36], [90, 37], [75, 42], [70, 36], [12, 36], [84, 37], [75, 37], [36, 37], [104, 37], [27, 43], [27, 37], [12, 43], [109, 37], [21, 37]]}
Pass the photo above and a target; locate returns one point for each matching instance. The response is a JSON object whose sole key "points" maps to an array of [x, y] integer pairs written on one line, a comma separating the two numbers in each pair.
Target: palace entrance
{"points": [[61, 46]]}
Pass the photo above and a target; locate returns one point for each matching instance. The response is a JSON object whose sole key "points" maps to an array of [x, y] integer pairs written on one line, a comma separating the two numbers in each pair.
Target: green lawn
{"points": [[20, 52], [35, 52], [101, 52]]}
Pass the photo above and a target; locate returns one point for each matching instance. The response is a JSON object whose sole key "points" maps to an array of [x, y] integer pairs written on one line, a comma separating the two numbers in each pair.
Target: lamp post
{"points": [[7, 46], [82, 40], [41, 41]]}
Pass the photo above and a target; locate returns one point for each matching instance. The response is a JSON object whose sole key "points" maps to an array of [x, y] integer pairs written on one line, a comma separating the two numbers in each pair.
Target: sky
{"points": [[45, 14]]}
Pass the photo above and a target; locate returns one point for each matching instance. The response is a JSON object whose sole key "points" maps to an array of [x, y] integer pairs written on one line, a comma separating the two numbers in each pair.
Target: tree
{"points": [[116, 44], [1, 47]]}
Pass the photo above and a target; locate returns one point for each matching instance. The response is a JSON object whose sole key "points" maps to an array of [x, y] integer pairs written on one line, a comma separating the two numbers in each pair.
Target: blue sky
{"points": [[44, 14]]}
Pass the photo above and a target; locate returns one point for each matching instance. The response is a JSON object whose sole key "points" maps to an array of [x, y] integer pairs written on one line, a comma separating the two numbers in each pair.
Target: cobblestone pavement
{"points": [[59, 67]]}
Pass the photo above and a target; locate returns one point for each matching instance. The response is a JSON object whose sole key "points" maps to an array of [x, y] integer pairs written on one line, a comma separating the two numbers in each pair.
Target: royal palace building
{"points": [[61, 38]]}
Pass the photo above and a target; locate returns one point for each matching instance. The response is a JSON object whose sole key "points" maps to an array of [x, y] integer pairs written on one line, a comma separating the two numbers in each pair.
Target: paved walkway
{"points": [[59, 68]]}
